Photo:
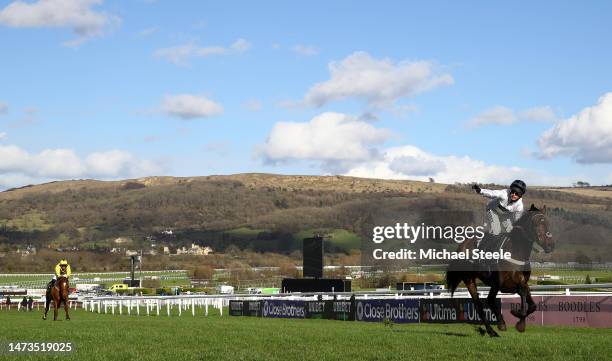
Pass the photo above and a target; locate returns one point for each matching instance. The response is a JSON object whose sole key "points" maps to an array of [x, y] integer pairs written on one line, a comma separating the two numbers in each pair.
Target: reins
{"points": [[529, 237]]}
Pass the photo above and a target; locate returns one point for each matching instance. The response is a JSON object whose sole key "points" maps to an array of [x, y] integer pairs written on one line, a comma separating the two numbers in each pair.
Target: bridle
{"points": [[532, 237]]}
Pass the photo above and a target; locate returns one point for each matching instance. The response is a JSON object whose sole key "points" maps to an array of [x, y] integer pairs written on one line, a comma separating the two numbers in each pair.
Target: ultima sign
{"points": [[453, 310]]}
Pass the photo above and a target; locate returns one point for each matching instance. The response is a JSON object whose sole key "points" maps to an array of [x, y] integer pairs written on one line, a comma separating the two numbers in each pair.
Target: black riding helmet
{"points": [[519, 187]]}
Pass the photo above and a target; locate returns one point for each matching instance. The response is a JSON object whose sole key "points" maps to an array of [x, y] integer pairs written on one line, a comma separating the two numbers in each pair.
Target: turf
{"points": [[122, 337]]}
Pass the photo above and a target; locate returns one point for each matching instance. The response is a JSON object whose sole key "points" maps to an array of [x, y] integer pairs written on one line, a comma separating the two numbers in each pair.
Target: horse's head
{"points": [[539, 223]]}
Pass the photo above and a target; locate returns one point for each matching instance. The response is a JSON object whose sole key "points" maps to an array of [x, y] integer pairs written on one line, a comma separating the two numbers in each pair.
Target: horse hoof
{"points": [[493, 333], [520, 326], [502, 327], [481, 331]]}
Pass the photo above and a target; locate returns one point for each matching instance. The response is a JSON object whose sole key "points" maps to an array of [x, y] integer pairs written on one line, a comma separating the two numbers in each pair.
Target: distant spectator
{"points": [[8, 301]]}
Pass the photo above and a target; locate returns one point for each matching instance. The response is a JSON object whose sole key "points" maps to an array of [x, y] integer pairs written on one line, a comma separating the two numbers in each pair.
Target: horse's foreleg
{"points": [[46, 309], [525, 309], [66, 308], [501, 324], [471, 286], [55, 309]]}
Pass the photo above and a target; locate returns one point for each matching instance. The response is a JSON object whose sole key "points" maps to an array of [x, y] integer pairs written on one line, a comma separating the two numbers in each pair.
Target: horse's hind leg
{"points": [[531, 305], [471, 286], [501, 324]]}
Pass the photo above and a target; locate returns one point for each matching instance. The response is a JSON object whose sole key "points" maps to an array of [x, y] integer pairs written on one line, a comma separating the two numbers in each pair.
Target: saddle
{"points": [[492, 243], [50, 285]]}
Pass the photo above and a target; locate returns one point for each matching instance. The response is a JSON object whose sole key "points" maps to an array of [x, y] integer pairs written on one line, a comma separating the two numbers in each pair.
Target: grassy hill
{"points": [[268, 213]]}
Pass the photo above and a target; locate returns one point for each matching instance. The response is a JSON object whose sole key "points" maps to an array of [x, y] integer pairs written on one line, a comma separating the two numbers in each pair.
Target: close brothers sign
{"points": [[585, 311]]}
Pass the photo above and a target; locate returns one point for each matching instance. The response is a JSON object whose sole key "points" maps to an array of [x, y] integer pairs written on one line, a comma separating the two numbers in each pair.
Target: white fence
{"points": [[155, 305], [200, 304]]}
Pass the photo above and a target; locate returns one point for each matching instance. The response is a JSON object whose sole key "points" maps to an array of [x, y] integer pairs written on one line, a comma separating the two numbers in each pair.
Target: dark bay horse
{"points": [[59, 294], [508, 276]]}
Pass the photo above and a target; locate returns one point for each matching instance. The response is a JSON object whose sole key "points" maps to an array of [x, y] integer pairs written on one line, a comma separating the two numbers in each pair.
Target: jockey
{"points": [[62, 269], [505, 207]]}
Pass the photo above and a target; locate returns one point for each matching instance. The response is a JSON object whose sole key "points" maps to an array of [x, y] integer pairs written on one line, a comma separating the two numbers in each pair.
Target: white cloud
{"points": [[176, 54], [3, 136], [410, 162], [58, 163], [305, 50], [417, 166], [182, 54], [539, 114], [188, 106], [3, 107], [116, 163], [505, 116], [380, 82], [586, 136], [342, 144], [19, 167], [76, 14], [328, 138], [9, 180], [495, 115]]}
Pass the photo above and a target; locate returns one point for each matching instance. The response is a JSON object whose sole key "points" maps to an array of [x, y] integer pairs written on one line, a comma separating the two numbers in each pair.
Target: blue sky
{"points": [[476, 91]]}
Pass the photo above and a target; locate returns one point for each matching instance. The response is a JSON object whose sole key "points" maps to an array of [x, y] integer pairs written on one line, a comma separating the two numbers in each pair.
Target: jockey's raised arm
{"points": [[490, 193]]}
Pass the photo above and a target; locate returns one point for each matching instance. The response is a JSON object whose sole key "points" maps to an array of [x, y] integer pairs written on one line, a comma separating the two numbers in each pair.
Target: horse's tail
{"points": [[453, 278]]}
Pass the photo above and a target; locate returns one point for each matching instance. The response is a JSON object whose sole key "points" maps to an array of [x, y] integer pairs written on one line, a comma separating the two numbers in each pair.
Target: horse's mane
{"points": [[526, 214]]}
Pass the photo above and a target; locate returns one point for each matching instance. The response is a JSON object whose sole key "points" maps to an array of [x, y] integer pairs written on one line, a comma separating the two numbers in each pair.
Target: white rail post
{"points": [[180, 300], [157, 305], [168, 307], [192, 307], [206, 305], [138, 307], [147, 304]]}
